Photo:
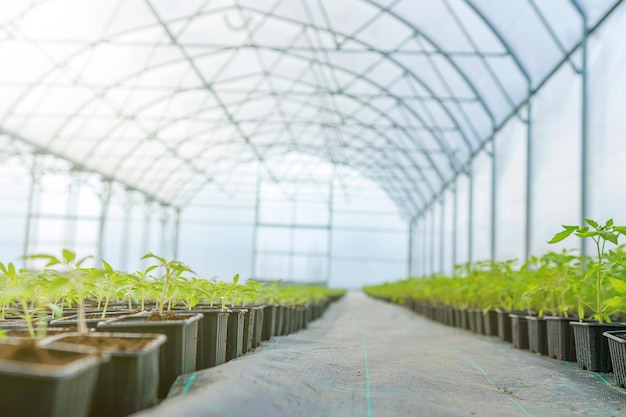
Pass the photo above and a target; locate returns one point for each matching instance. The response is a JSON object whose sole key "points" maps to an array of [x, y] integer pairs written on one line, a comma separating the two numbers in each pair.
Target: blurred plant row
{"points": [[63, 283], [562, 284]]}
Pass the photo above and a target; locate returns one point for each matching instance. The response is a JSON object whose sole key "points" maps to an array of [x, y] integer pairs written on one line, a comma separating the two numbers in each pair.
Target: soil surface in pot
{"points": [[166, 316], [109, 313], [26, 333], [27, 351], [107, 344]]}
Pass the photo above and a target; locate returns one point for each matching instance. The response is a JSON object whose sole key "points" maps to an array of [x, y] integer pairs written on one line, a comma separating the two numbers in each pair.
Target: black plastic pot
{"points": [[450, 316], [287, 318], [129, 381], [270, 317], [490, 323], [280, 317], [177, 356], [519, 331], [49, 391], [248, 330], [212, 333], [461, 319], [257, 334], [537, 335], [560, 336], [505, 330], [480, 324], [592, 349], [617, 351], [234, 334], [471, 319]]}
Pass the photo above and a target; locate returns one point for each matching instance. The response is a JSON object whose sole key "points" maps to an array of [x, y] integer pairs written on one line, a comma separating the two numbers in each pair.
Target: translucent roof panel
{"points": [[167, 96]]}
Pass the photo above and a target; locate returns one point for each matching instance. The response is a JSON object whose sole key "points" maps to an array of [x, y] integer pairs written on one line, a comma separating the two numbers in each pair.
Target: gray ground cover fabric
{"points": [[368, 358]]}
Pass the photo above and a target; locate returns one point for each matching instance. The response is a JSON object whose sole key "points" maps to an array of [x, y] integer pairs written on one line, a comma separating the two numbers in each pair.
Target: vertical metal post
{"points": [[105, 198], [470, 222], [128, 209], [71, 212], [431, 245], [147, 223], [410, 249], [34, 188], [493, 200], [455, 231], [424, 242], [584, 180], [529, 177], [441, 233], [329, 249], [176, 239], [292, 238], [255, 230], [164, 222]]}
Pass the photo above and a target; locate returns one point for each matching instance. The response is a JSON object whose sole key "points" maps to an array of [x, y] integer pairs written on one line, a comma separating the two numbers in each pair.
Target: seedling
{"points": [[73, 273], [600, 235], [173, 270]]}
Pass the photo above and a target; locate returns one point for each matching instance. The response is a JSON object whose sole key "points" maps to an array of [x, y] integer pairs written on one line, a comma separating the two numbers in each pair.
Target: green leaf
{"points": [[592, 223], [586, 234], [620, 229], [611, 237], [107, 266], [609, 223], [236, 279], [68, 256], [618, 285], [561, 235], [150, 269]]}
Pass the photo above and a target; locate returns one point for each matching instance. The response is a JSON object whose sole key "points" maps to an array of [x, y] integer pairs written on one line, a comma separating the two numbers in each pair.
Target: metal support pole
{"points": [[255, 230], [529, 177], [34, 188], [71, 213], [470, 222], [164, 222], [410, 249], [147, 223], [292, 238], [441, 234], [584, 171], [128, 209], [329, 249], [176, 238], [493, 200], [424, 244], [455, 231], [105, 198], [431, 245]]}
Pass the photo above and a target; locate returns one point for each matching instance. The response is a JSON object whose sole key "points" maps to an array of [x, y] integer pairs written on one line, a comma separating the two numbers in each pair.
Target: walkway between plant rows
{"points": [[368, 358]]}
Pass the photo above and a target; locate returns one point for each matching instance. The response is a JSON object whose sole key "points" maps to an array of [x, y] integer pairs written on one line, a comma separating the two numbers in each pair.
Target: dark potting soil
{"points": [[109, 313], [166, 316], [108, 344], [26, 333], [27, 351]]}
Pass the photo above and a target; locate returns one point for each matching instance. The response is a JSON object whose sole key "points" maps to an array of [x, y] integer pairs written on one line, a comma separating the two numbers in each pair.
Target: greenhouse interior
{"points": [[312, 208]]}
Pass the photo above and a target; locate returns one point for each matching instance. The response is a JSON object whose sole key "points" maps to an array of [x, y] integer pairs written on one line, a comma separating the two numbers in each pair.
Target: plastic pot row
{"points": [[122, 382]]}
